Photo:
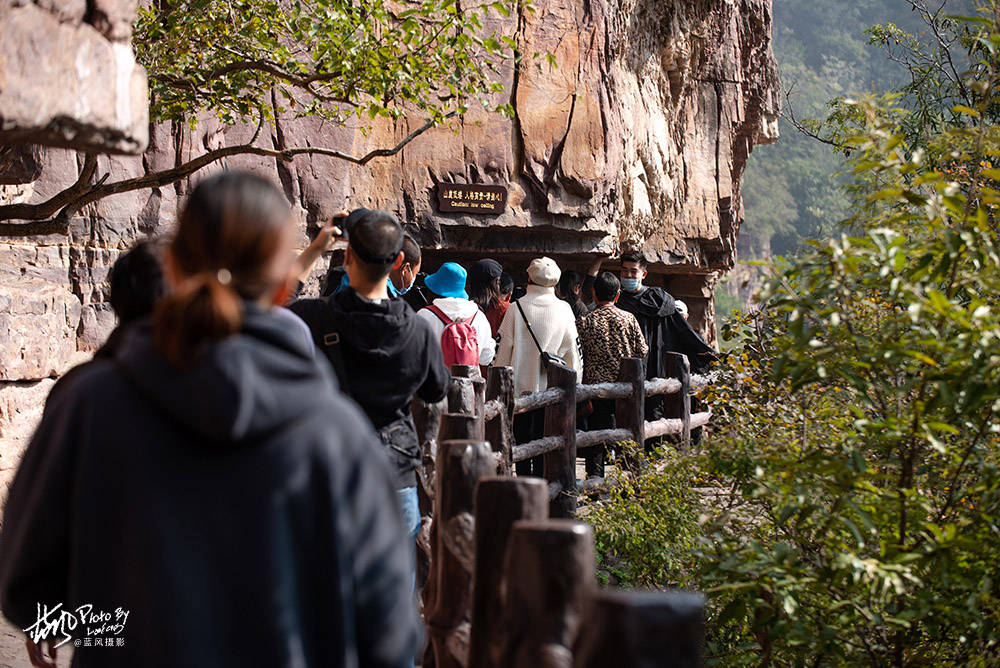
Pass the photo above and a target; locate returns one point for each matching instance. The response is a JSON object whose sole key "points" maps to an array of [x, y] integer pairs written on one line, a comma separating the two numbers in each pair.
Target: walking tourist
{"points": [[607, 336], [406, 282], [483, 287], [209, 490], [136, 284], [663, 327], [455, 319], [498, 309], [382, 352], [403, 280], [570, 284], [537, 323]]}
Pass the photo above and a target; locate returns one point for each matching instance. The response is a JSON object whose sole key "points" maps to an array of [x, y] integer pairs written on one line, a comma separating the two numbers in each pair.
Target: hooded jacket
{"points": [[385, 356], [239, 510], [553, 324], [665, 330]]}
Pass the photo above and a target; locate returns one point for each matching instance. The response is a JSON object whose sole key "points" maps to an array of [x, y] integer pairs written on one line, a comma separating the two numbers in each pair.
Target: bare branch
{"points": [[57, 201], [788, 114], [80, 194]]}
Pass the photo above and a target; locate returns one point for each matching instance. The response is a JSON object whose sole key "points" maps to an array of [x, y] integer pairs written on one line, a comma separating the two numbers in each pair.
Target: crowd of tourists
{"points": [[236, 466]]}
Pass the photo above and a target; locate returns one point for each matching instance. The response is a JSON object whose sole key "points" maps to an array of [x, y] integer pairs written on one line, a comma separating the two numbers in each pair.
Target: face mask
{"points": [[630, 284], [403, 291]]}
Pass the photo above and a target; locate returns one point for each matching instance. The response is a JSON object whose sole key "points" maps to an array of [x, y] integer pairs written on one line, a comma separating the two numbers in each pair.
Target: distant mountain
{"points": [[822, 52]]}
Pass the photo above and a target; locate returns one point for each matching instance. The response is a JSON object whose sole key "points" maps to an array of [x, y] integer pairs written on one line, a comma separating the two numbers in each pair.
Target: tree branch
{"points": [[788, 114], [57, 201], [260, 65], [81, 193]]}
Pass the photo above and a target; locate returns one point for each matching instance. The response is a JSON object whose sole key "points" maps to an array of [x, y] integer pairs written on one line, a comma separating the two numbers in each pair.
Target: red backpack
{"points": [[459, 341]]}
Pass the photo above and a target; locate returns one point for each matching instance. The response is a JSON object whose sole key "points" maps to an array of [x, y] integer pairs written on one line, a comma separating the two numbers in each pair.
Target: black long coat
{"points": [[665, 330]]}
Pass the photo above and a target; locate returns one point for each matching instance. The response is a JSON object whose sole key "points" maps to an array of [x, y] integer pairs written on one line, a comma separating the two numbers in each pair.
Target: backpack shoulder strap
{"points": [[440, 314], [326, 336]]}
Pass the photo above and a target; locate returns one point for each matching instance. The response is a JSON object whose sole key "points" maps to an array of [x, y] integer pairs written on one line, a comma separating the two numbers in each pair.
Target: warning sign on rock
{"points": [[475, 198]]}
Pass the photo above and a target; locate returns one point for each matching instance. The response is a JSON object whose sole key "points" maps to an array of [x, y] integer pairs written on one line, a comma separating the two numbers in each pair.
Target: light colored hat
{"points": [[544, 271]]}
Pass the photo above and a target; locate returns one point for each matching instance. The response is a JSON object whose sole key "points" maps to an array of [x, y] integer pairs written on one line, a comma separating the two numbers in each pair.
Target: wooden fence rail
{"points": [[508, 586], [485, 411]]}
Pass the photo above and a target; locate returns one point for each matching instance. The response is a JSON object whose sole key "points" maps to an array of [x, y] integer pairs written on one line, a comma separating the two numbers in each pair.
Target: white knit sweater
{"points": [[553, 323]]}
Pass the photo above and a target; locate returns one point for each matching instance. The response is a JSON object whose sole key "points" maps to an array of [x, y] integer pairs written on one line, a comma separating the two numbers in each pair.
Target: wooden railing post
{"points": [[630, 412], [499, 503], [642, 629], [465, 396], [459, 426], [427, 419], [548, 576], [499, 431], [678, 406], [560, 465], [460, 465]]}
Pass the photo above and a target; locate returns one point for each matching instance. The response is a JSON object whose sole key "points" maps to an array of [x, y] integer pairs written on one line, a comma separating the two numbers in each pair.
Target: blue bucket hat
{"points": [[448, 281]]}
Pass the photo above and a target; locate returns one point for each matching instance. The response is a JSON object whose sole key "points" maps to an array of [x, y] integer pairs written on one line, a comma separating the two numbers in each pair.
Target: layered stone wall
{"points": [[637, 139]]}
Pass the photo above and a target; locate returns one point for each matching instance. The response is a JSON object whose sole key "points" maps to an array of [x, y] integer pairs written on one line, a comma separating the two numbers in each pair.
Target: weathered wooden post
{"points": [[630, 412], [427, 419], [499, 430], [500, 502], [465, 396], [678, 406], [457, 422], [454, 426], [548, 576], [459, 426], [560, 465], [642, 630], [460, 465]]}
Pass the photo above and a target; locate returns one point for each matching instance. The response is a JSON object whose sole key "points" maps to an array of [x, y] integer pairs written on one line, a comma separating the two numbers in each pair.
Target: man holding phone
{"points": [[383, 354]]}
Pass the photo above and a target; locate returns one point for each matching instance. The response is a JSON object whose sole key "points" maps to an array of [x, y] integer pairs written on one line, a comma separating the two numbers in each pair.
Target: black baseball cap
{"points": [[359, 216]]}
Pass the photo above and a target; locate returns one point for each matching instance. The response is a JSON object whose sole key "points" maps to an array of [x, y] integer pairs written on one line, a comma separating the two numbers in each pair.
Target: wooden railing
{"points": [[485, 410], [506, 585]]}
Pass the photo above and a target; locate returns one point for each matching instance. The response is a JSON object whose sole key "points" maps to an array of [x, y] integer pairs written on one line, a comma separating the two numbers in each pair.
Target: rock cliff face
{"points": [[68, 76], [637, 139]]}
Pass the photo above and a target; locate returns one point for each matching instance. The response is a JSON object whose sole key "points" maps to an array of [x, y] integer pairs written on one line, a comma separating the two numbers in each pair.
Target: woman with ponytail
{"points": [[210, 482]]}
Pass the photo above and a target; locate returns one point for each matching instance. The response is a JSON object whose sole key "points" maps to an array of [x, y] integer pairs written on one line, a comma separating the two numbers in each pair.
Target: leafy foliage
{"points": [[859, 442], [645, 531], [856, 444], [246, 60]]}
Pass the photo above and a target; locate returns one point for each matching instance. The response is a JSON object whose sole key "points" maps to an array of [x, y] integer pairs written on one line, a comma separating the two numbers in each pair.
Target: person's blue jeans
{"points": [[410, 507]]}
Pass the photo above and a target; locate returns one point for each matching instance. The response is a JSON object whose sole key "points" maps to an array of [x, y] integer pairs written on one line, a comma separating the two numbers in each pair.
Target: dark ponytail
{"points": [[228, 235]]}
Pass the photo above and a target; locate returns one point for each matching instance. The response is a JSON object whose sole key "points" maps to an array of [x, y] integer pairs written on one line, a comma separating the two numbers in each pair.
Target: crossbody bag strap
{"points": [[528, 325]]}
